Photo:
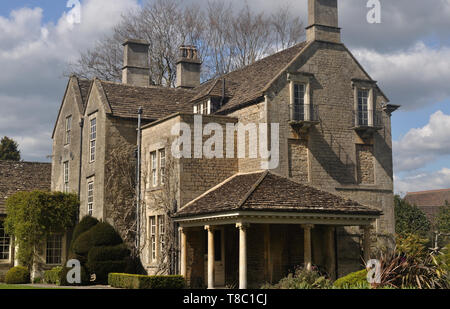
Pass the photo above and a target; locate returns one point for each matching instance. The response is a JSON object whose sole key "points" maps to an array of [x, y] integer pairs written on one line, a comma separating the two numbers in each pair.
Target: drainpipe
{"points": [[138, 181], [79, 168]]}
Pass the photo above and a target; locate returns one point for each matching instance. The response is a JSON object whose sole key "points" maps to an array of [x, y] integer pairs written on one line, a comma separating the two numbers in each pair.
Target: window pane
{"points": [[4, 243], [299, 101], [54, 249]]}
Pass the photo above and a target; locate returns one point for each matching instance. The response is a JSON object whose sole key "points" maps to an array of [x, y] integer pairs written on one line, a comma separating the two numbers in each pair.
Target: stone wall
{"points": [[365, 164]]}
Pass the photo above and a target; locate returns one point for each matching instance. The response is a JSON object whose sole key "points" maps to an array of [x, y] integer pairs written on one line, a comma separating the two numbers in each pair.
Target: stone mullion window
{"points": [[152, 237], [162, 165], [364, 103], [154, 168], [300, 98], [161, 235]]}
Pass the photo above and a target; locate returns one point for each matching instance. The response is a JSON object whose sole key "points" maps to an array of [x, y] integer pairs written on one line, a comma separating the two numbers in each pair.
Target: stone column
{"points": [[331, 253], [210, 256], [183, 262], [242, 254], [307, 245], [366, 241]]}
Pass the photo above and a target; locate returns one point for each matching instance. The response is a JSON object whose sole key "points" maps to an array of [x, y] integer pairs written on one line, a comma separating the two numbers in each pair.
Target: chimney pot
{"points": [[188, 67]]}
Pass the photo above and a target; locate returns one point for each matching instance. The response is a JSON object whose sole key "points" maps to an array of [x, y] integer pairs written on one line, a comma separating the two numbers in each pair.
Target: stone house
{"points": [[16, 177], [240, 220]]}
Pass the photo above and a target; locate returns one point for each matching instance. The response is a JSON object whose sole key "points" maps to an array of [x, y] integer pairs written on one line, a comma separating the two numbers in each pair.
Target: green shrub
{"points": [[37, 280], [52, 276], [128, 281], [302, 279], [102, 234], [85, 224], [353, 280], [113, 253], [17, 275]]}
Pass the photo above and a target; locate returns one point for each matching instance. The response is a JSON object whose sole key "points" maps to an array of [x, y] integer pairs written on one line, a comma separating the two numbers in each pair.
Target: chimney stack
{"points": [[323, 21], [188, 68], [136, 70]]}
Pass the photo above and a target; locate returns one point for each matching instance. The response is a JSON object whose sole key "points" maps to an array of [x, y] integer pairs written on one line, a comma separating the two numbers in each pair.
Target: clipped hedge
{"points": [[353, 280], [85, 224], [17, 275], [128, 281], [52, 276], [102, 234]]}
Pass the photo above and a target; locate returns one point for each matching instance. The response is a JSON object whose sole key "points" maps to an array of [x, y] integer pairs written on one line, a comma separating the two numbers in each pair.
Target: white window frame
{"points": [[92, 138], [299, 79], [161, 233], [203, 108], [90, 197], [68, 129], [152, 237], [66, 176], [5, 244], [57, 247], [162, 165], [154, 168]]}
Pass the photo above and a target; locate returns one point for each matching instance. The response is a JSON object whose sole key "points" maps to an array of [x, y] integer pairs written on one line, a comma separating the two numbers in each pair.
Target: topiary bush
{"points": [[353, 280], [84, 225], [128, 281], [108, 253], [18, 275]]}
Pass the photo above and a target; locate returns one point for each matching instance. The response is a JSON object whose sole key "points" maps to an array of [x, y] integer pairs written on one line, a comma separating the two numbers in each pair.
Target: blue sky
{"points": [[408, 54]]}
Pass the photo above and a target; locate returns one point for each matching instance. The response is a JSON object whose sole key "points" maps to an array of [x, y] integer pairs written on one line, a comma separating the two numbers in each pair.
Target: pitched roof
{"points": [[428, 198], [85, 85], [248, 83], [22, 176], [157, 102], [265, 191]]}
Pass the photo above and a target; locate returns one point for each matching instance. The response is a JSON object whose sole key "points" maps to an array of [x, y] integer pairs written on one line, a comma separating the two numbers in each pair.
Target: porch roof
{"points": [[265, 192]]}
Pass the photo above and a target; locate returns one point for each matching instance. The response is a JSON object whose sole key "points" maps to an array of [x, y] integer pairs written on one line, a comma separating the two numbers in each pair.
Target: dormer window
{"points": [[203, 108]]}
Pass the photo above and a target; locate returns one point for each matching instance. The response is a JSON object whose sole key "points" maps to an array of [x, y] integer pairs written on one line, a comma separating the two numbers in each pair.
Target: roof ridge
{"points": [[159, 87], [253, 188], [428, 191]]}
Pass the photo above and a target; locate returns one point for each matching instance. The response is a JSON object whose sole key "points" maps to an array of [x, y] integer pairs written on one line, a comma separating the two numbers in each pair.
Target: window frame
{"points": [[303, 79], [92, 139], [363, 107], [154, 168], [68, 130], [5, 242], [58, 258], [90, 197], [66, 176], [152, 237], [161, 233], [162, 165]]}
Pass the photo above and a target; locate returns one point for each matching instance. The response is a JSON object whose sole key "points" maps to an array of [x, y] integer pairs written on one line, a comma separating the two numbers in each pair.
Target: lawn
{"points": [[24, 287]]}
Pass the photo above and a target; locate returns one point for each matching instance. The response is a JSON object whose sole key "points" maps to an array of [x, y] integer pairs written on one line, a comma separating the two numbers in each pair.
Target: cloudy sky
{"points": [[408, 53]]}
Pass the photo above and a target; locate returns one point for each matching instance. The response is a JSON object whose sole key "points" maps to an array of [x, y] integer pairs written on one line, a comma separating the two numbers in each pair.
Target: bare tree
{"points": [[226, 39]]}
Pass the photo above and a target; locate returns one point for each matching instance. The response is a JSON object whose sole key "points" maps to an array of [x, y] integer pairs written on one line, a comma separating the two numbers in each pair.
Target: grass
{"points": [[4, 286]]}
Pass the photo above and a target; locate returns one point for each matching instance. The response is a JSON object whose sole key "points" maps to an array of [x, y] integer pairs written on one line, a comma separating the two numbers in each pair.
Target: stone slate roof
{"points": [[265, 191], [157, 102], [241, 86], [22, 176], [247, 84]]}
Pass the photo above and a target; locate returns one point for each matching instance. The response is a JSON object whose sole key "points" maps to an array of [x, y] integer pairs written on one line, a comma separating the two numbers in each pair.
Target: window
{"points": [[92, 138], [299, 102], [162, 232], [66, 176], [90, 198], [54, 249], [153, 238], [162, 165], [5, 242], [68, 129], [203, 108], [154, 169], [363, 107]]}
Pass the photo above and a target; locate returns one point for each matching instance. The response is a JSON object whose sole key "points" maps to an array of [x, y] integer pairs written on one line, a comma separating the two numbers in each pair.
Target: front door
{"points": [[219, 258]]}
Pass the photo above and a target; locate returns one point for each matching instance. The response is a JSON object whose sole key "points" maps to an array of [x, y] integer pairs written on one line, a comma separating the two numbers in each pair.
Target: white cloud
{"points": [[423, 181], [412, 78], [421, 146], [33, 57]]}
